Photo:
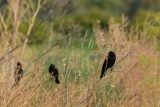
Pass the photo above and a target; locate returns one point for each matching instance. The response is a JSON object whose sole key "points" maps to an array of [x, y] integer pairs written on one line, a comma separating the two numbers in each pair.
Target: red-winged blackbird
{"points": [[18, 74], [108, 63], [54, 72]]}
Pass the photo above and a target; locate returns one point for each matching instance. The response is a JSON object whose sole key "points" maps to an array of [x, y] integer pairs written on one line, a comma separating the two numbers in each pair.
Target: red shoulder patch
{"points": [[106, 58]]}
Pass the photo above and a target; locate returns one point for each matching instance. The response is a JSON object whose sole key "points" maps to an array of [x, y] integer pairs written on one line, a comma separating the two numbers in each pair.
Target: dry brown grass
{"points": [[135, 82]]}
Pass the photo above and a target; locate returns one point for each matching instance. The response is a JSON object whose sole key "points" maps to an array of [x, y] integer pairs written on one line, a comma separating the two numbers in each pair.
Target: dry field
{"points": [[134, 83]]}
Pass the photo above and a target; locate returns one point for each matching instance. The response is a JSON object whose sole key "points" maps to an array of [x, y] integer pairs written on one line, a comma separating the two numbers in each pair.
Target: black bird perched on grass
{"points": [[108, 63], [18, 74], [54, 72]]}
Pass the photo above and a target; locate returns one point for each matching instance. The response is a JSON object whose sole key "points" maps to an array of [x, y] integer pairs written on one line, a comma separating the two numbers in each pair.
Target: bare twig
{"points": [[129, 53], [14, 4], [3, 22], [31, 24], [94, 86], [44, 53], [14, 49], [88, 94], [21, 90], [32, 94]]}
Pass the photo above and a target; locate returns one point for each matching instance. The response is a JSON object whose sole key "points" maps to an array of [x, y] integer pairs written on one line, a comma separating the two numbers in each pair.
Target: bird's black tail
{"points": [[101, 76], [57, 80], [103, 72]]}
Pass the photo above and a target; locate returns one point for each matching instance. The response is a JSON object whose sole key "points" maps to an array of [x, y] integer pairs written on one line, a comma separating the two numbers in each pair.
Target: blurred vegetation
{"points": [[83, 30], [75, 17]]}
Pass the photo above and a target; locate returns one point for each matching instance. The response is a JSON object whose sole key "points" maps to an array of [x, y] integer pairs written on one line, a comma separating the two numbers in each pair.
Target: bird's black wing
{"points": [[50, 70], [104, 67], [55, 72]]}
